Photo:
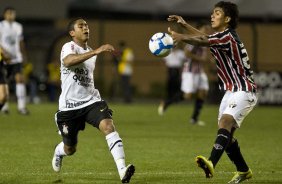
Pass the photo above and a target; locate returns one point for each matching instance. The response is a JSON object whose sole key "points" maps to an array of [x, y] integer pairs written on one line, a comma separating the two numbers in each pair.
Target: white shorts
{"points": [[192, 82], [237, 104]]}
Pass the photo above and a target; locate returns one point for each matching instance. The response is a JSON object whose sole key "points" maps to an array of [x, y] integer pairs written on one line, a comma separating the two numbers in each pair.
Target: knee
{"points": [[106, 126], [3, 98], [70, 150], [227, 122], [187, 96], [202, 94], [19, 78]]}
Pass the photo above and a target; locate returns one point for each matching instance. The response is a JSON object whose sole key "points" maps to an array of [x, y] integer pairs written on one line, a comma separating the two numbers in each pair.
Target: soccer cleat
{"points": [[241, 176], [199, 122], [23, 111], [6, 112], [161, 109], [206, 165], [128, 173], [57, 162]]}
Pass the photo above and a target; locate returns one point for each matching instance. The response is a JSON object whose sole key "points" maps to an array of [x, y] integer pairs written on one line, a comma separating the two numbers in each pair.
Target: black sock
{"points": [[221, 142], [1, 105], [175, 99], [234, 154], [197, 109]]}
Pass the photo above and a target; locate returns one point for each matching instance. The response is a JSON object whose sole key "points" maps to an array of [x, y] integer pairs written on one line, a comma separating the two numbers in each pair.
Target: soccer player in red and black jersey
{"points": [[235, 78]]}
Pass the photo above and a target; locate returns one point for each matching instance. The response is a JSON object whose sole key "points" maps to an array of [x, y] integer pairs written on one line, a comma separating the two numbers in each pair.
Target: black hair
{"points": [[231, 10], [72, 23], [9, 8]]}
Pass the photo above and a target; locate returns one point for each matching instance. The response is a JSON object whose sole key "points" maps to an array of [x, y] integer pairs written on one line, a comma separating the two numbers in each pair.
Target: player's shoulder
{"points": [[17, 25], [69, 45]]}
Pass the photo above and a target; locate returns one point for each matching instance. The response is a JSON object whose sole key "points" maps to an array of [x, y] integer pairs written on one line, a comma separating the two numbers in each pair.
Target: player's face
{"points": [[10, 15], [219, 22], [81, 30]]}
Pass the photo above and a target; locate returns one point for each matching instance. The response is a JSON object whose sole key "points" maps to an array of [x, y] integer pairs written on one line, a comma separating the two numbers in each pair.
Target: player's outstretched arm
{"points": [[191, 30], [193, 40], [73, 59]]}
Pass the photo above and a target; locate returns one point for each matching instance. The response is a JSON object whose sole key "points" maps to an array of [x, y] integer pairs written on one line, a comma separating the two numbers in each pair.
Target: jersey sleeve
{"points": [[67, 49], [20, 32], [220, 40]]}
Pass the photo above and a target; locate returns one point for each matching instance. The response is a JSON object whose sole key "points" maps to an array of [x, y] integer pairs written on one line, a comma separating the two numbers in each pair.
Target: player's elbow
{"points": [[67, 62]]}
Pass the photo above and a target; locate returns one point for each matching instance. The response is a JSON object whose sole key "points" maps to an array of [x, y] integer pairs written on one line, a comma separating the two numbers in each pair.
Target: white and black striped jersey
{"points": [[233, 67]]}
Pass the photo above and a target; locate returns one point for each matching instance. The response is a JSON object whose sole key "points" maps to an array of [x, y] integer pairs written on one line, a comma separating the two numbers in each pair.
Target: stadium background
{"points": [[134, 21]]}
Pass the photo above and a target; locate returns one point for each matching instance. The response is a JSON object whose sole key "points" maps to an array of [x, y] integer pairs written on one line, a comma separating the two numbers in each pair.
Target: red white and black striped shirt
{"points": [[232, 61]]}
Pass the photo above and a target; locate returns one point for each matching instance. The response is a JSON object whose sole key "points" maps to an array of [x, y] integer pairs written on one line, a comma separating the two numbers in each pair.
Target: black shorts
{"points": [[3, 79], [13, 69], [71, 122]]}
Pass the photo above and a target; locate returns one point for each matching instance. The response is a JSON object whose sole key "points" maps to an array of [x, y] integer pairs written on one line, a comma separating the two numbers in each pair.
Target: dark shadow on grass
{"points": [[58, 181]]}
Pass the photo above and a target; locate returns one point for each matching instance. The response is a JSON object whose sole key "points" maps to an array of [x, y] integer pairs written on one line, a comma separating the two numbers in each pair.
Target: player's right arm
{"points": [[191, 30], [74, 59]]}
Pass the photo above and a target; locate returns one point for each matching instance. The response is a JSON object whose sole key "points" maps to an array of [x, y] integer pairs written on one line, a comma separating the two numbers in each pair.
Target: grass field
{"points": [[162, 148]]}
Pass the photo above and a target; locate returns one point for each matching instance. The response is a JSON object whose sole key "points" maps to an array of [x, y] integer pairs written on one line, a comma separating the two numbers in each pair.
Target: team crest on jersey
{"points": [[65, 129]]}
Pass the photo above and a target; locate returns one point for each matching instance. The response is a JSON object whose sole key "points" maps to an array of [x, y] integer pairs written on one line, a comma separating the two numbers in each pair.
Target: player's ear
{"points": [[227, 19], [71, 33]]}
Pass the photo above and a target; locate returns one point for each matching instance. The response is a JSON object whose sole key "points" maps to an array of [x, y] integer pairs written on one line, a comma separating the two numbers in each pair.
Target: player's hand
{"points": [[176, 18], [8, 61], [105, 48], [175, 36]]}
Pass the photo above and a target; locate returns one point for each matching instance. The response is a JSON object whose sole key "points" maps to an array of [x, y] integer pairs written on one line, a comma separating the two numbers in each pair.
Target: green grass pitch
{"points": [[163, 149]]}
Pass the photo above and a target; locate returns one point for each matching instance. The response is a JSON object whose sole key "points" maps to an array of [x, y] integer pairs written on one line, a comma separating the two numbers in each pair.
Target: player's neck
{"points": [[222, 28], [81, 44]]}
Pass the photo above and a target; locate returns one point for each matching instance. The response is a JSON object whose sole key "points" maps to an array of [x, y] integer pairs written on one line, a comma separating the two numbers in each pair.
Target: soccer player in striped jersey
{"points": [[235, 78], [81, 102]]}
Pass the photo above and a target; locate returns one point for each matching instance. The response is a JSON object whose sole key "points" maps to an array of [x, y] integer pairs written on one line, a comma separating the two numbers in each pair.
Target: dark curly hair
{"points": [[231, 10]]}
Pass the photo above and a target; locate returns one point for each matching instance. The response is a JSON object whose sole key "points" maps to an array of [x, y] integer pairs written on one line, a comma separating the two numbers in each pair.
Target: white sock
{"points": [[5, 107], [116, 148], [60, 149], [21, 95]]}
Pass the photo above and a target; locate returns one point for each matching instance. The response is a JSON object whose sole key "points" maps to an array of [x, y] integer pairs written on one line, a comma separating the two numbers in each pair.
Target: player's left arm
{"points": [[193, 40]]}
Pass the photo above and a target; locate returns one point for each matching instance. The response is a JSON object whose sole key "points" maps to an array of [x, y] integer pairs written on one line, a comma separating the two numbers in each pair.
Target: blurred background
{"points": [[134, 22]]}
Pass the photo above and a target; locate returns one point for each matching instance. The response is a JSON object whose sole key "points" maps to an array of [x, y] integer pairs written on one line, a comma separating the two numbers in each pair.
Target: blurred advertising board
{"points": [[269, 87]]}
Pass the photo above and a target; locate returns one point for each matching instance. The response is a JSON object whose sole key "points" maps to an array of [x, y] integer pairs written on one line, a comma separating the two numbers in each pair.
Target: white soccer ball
{"points": [[161, 44]]}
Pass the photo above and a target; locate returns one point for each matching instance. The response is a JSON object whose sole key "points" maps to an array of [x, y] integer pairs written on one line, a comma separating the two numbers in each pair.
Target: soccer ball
{"points": [[161, 44]]}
